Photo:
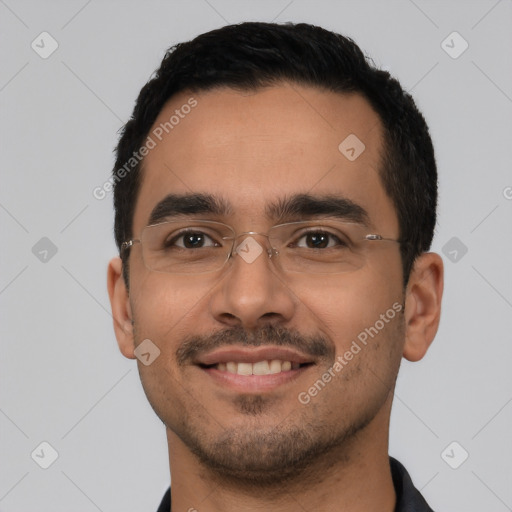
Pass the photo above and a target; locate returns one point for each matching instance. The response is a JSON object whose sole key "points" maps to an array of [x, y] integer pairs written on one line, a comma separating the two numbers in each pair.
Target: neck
{"points": [[353, 477]]}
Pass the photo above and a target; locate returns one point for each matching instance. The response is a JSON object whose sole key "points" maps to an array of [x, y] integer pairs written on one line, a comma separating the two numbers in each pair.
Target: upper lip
{"points": [[252, 355]]}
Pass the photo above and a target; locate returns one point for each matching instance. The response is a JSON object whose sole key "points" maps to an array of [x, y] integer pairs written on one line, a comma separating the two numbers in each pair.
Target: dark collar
{"points": [[408, 498]]}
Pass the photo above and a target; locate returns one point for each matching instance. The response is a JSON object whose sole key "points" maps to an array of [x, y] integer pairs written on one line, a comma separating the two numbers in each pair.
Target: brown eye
{"points": [[191, 240], [319, 240]]}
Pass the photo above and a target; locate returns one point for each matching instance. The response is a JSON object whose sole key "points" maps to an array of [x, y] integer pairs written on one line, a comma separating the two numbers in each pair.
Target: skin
{"points": [[266, 450]]}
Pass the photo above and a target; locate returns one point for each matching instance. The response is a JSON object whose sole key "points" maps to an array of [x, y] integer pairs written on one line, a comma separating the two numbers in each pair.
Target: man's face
{"points": [[251, 150]]}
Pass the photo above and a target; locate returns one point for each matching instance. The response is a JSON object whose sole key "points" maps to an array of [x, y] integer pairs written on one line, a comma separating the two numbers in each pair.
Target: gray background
{"points": [[63, 379]]}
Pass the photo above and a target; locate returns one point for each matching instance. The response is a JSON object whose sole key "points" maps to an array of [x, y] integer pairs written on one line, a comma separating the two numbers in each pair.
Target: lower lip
{"points": [[254, 383]]}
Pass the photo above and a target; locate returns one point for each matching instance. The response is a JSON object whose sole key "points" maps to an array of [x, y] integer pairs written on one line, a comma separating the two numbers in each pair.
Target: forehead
{"points": [[255, 148]]}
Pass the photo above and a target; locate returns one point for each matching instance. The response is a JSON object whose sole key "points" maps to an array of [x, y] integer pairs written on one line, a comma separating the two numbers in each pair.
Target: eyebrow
{"points": [[176, 205], [286, 209]]}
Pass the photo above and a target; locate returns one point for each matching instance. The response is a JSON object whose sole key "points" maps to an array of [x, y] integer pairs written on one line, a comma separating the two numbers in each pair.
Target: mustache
{"points": [[314, 346]]}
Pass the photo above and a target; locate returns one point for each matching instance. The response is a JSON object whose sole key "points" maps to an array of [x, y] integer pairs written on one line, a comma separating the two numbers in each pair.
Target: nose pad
{"points": [[272, 252]]}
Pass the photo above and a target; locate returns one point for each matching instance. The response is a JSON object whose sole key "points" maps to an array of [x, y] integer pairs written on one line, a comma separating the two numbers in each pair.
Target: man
{"points": [[275, 196]]}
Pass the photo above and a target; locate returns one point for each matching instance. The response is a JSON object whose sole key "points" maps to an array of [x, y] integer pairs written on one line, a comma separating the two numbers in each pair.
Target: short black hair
{"points": [[252, 55]]}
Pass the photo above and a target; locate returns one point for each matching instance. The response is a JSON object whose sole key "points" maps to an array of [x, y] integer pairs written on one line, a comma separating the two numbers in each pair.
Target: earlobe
{"points": [[423, 305], [121, 309]]}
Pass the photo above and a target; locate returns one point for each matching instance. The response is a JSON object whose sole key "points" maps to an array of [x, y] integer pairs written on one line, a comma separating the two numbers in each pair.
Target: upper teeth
{"points": [[259, 368]]}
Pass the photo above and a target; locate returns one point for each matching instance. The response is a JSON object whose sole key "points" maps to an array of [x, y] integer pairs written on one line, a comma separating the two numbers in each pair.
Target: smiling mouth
{"points": [[264, 367]]}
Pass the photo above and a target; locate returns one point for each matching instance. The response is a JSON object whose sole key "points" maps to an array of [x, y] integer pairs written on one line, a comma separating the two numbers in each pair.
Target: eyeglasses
{"points": [[202, 246]]}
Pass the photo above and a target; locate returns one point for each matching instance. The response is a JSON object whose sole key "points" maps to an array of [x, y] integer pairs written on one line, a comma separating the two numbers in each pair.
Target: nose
{"points": [[253, 291]]}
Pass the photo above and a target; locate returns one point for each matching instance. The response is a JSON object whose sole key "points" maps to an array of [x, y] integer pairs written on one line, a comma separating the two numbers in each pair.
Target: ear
{"points": [[423, 305], [121, 309]]}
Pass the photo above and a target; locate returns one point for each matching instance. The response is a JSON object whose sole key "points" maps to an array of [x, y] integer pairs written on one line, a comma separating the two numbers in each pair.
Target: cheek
{"points": [[163, 311], [345, 306], [364, 320], [162, 305]]}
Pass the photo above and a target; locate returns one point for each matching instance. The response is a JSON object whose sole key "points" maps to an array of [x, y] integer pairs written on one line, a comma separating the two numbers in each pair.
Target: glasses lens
{"points": [[312, 247], [183, 247], [325, 247]]}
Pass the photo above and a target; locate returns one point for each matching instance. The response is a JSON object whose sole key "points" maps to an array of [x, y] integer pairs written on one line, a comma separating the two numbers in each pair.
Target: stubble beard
{"points": [[263, 455], [260, 454]]}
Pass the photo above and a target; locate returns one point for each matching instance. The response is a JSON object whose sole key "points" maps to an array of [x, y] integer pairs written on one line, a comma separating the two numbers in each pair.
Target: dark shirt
{"points": [[408, 498]]}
